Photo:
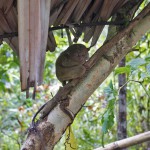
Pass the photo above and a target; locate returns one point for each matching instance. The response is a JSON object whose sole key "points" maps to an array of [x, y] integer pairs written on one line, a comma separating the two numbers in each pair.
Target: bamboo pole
{"points": [[137, 139]]}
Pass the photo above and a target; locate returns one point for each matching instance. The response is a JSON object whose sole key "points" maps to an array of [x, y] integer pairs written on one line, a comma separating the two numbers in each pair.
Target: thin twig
{"points": [[140, 82], [8, 35], [69, 37], [14, 34]]}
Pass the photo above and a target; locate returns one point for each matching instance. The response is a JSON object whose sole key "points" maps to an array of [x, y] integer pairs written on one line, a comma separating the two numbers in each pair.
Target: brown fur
{"points": [[70, 63]]}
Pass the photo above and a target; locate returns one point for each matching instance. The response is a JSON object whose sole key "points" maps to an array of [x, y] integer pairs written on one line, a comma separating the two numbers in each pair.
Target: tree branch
{"points": [[137, 139], [101, 64]]}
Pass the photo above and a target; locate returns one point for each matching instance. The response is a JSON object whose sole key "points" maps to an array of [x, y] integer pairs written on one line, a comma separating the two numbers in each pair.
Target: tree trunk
{"points": [[49, 130], [122, 120]]}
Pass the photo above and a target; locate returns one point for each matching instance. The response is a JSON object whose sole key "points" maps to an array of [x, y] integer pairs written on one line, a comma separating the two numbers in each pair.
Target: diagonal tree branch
{"points": [[50, 129], [137, 139]]}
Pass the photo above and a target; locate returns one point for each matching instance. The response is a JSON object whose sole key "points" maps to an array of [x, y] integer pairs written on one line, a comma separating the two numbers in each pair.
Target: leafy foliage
{"points": [[97, 117]]}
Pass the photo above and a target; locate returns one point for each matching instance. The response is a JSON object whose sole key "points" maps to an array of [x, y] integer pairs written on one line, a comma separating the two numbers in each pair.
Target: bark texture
{"points": [[122, 112]]}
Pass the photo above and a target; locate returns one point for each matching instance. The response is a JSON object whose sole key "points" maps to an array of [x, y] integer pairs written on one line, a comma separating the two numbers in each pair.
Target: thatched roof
{"points": [[63, 12], [80, 17]]}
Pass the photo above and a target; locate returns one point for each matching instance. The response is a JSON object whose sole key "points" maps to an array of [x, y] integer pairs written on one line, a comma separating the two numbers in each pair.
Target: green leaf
{"points": [[2, 86], [109, 89], [148, 68], [111, 85], [107, 120], [143, 45], [135, 63], [122, 70], [147, 58], [86, 133], [108, 116]]}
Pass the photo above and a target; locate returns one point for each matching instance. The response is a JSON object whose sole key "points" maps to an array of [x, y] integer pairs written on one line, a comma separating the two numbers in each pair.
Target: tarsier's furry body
{"points": [[70, 63]]}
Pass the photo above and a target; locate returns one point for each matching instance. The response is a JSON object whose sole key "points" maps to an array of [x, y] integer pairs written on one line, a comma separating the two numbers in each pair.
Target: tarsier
{"points": [[70, 63]]}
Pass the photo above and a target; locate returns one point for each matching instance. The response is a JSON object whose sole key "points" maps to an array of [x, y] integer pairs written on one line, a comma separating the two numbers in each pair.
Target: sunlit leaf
{"points": [[135, 63], [71, 142], [122, 70]]}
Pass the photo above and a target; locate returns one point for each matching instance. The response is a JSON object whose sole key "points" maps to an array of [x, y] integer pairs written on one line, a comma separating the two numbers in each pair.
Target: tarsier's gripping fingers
{"points": [[67, 112], [63, 106]]}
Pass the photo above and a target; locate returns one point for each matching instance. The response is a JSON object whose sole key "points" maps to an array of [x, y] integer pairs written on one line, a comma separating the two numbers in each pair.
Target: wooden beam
{"points": [[33, 23]]}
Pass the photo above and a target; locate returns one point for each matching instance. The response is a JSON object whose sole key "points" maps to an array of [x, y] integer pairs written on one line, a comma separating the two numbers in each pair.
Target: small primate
{"points": [[70, 63]]}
